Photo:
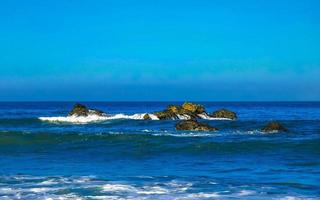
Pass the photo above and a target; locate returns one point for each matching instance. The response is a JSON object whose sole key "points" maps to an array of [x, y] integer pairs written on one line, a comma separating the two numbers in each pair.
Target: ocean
{"points": [[124, 157]]}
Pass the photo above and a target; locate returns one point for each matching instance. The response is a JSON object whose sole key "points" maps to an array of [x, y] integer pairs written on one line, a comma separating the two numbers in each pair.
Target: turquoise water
{"points": [[137, 159]]}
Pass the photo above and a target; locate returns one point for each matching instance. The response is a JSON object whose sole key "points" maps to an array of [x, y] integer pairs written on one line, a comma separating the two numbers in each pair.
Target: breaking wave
{"points": [[89, 187], [96, 118]]}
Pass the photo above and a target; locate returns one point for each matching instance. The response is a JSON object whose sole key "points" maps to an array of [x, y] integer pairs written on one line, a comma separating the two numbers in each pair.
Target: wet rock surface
{"points": [[193, 125], [274, 127], [185, 111], [224, 113], [80, 110]]}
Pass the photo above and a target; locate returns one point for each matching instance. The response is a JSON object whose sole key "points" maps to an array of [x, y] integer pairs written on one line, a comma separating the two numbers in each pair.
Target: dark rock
{"points": [[171, 112], [274, 127], [224, 113], [193, 125], [80, 110], [174, 109], [146, 117], [166, 115], [187, 110], [96, 112]]}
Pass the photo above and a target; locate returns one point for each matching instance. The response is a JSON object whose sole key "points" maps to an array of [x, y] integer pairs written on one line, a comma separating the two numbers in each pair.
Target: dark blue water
{"points": [[137, 159]]}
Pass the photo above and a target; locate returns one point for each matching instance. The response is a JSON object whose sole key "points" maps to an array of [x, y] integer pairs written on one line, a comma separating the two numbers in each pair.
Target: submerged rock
{"points": [[193, 125], [224, 113], [80, 110], [274, 126]]}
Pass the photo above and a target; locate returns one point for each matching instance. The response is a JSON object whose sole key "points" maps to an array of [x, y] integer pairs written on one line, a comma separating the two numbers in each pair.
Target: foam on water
{"points": [[207, 117], [85, 187], [97, 118]]}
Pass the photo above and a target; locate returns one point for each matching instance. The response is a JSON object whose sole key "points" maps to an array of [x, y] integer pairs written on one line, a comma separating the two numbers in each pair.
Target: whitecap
{"points": [[245, 193], [207, 117], [96, 118], [153, 190], [118, 187], [204, 195], [183, 117], [7, 190], [40, 190], [189, 134], [137, 116]]}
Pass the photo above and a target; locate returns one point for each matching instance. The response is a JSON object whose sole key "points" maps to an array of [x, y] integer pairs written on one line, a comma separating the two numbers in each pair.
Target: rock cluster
{"points": [[80, 110], [193, 125], [187, 112], [191, 111]]}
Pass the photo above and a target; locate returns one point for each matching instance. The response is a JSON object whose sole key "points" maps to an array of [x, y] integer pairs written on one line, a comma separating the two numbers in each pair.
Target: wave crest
{"points": [[96, 118]]}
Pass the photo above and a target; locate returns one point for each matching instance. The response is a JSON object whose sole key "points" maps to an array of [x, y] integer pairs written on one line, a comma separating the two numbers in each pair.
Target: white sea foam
{"points": [[207, 117], [39, 190], [188, 134], [204, 195], [26, 187], [96, 118], [118, 187], [245, 192], [48, 182], [184, 117]]}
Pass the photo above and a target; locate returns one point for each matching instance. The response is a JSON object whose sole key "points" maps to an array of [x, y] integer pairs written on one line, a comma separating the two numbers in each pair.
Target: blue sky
{"points": [[206, 50]]}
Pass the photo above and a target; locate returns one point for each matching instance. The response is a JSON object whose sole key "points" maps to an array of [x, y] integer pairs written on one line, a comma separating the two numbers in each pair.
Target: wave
{"points": [[137, 116], [96, 118], [73, 187], [207, 117], [118, 142]]}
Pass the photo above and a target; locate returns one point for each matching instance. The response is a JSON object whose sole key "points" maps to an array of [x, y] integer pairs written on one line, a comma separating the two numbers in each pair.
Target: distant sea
{"points": [[127, 158]]}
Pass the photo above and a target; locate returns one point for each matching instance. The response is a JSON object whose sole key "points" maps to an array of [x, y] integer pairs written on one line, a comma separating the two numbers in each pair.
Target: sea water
{"points": [[44, 155]]}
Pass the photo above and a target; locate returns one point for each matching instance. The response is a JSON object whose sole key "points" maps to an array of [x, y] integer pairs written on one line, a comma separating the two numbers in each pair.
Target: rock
{"points": [[224, 113], [193, 125], [146, 117], [96, 112], [274, 127], [186, 111], [166, 115], [174, 109], [80, 110], [193, 108]]}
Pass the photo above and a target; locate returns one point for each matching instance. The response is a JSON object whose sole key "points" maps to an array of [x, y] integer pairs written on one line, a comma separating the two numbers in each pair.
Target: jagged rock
{"points": [[224, 113], [146, 117], [174, 109], [186, 111], [274, 126], [166, 115], [96, 112], [193, 108], [193, 125], [80, 110]]}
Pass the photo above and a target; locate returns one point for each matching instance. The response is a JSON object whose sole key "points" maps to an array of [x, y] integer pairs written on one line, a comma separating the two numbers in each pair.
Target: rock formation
{"points": [[193, 125], [80, 110], [224, 113], [274, 127]]}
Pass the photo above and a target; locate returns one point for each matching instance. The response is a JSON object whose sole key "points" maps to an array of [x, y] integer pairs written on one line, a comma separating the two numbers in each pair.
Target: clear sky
{"points": [[209, 50]]}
